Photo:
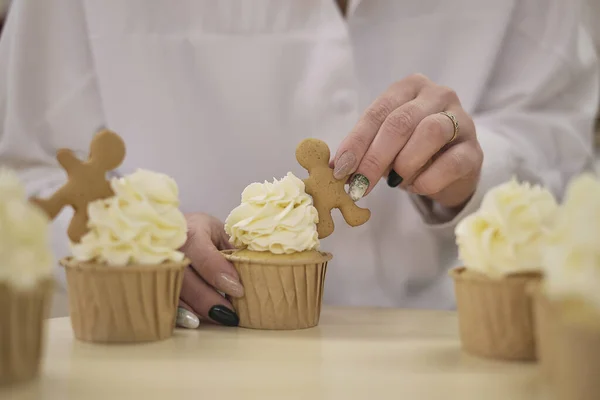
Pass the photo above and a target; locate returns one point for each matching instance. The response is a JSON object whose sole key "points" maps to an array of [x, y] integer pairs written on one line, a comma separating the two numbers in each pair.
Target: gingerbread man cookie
{"points": [[86, 180], [327, 192]]}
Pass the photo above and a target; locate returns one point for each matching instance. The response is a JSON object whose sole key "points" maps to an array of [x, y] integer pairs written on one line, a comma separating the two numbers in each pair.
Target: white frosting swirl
{"points": [[141, 224], [25, 252], [572, 257], [506, 235], [278, 217]]}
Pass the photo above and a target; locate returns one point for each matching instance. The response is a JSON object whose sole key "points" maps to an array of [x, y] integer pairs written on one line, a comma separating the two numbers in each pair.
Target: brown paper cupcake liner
{"points": [[22, 333], [280, 293], [495, 315], [576, 361], [123, 304]]}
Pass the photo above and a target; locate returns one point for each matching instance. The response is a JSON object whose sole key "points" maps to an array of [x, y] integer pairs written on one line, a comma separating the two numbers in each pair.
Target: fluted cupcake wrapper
{"points": [[279, 296], [22, 333], [123, 304], [575, 372], [571, 351], [495, 315], [544, 331]]}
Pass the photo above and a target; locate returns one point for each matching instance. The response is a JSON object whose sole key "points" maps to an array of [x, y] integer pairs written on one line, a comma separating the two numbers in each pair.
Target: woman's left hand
{"points": [[408, 135]]}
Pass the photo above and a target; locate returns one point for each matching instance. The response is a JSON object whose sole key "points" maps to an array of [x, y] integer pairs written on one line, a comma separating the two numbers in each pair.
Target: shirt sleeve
{"points": [[535, 119], [48, 96]]}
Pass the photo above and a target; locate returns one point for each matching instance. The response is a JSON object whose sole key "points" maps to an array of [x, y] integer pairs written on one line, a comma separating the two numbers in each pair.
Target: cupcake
{"points": [[571, 288], [500, 246], [277, 256], [276, 231], [125, 273], [26, 282]]}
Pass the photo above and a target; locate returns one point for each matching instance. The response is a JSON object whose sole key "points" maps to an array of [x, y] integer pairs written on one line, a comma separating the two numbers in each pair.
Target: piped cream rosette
{"points": [[278, 217]]}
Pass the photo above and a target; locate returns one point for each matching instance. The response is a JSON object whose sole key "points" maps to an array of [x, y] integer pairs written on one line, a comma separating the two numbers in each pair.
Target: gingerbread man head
{"points": [[313, 153], [107, 151]]}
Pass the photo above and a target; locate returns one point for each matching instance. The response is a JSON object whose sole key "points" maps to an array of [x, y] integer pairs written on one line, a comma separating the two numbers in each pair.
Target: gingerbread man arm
{"points": [[67, 159], [52, 206]]}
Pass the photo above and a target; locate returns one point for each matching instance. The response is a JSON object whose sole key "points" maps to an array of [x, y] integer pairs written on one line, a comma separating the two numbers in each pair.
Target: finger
{"points": [[211, 265], [186, 317], [457, 166], [431, 135], [220, 238], [205, 301], [394, 134], [356, 144]]}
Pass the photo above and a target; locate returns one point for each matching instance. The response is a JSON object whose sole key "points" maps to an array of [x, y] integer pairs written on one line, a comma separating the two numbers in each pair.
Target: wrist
{"points": [[439, 212], [452, 207]]}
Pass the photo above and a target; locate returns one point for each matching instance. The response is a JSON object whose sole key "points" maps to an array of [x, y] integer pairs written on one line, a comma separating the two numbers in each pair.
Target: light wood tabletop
{"points": [[354, 354]]}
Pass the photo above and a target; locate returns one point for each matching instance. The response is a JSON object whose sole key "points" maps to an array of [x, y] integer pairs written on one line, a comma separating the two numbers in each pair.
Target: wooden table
{"points": [[354, 354]]}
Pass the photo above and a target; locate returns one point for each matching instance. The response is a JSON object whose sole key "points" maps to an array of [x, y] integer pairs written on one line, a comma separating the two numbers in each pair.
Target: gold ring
{"points": [[454, 123]]}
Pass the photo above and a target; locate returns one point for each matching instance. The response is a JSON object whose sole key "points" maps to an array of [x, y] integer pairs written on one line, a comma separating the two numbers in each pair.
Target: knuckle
{"points": [[406, 168], [473, 168], [358, 143], [456, 165], [447, 94], [371, 164], [434, 129], [417, 78], [401, 123], [478, 156], [396, 86], [425, 186], [471, 158], [377, 113]]}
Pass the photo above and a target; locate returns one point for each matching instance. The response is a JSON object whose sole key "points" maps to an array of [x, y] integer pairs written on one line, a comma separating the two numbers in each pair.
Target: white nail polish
{"points": [[186, 319], [358, 186]]}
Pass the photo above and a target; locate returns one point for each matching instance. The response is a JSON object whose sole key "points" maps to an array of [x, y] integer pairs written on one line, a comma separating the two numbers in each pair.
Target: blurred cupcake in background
{"points": [[501, 247], [570, 331], [26, 283]]}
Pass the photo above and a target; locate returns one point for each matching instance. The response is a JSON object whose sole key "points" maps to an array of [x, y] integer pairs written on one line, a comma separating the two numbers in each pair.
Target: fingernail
{"points": [[393, 179], [186, 319], [358, 186], [344, 165], [224, 316], [229, 285]]}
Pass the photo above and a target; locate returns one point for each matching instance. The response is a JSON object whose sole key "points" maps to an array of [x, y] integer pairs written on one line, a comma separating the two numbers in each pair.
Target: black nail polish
{"points": [[224, 316], [394, 179]]}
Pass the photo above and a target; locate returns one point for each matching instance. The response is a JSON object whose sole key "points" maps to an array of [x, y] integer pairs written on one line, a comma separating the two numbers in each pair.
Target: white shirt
{"points": [[592, 12], [218, 94]]}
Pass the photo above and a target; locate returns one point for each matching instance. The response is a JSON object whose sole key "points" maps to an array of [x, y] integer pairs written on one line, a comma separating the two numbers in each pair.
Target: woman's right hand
{"points": [[208, 274]]}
